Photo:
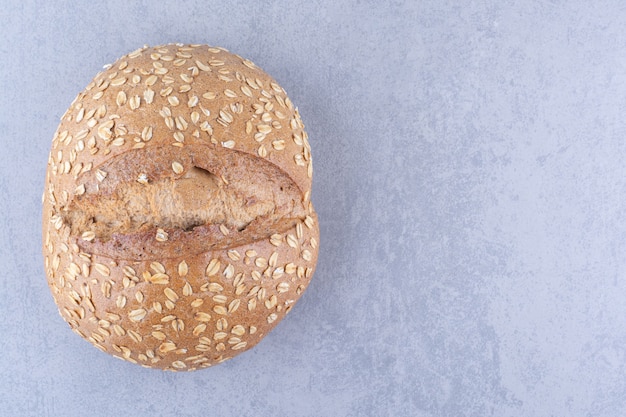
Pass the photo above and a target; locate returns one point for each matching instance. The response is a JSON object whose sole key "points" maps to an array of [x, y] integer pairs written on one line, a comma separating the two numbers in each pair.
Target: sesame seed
{"points": [[229, 144], [88, 236]]}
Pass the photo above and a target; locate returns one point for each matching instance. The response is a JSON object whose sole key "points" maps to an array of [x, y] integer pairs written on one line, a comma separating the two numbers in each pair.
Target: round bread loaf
{"points": [[177, 223]]}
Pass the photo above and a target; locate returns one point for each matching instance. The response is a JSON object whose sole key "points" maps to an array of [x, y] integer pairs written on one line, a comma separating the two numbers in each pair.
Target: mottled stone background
{"points": [[470, 182]]}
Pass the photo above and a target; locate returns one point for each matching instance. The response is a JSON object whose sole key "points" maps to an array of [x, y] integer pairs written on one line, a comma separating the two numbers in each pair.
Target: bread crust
{"points": [[167, 297]]}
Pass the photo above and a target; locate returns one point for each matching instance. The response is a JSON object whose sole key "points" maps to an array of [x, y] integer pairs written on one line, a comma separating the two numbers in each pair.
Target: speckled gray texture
{"points": [[470, 182]]}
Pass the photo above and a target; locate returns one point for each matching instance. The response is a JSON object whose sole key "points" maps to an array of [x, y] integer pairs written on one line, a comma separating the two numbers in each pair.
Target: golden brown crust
{"points": [[160, 298]]}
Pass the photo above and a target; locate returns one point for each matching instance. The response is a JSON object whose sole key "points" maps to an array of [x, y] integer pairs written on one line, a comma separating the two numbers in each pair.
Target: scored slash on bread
{"points": [[177, 223]]}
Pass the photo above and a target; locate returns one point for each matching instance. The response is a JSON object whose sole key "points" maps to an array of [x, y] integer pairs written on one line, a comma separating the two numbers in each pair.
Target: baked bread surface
{"points": [[177, 223]]}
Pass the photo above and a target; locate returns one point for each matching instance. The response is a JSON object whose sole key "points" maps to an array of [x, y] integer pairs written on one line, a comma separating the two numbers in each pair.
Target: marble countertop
{"points": [[470, 184]]}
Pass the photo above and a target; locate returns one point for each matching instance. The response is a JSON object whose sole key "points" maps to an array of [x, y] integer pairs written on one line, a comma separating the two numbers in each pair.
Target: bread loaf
{"points": [[177, 223]]}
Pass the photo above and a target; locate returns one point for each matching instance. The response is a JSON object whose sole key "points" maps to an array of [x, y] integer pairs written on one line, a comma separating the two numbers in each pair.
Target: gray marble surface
{"points": [[470, 183]]}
